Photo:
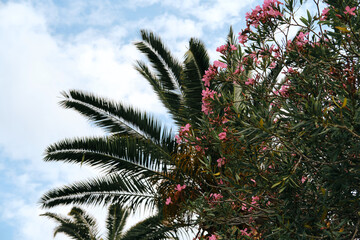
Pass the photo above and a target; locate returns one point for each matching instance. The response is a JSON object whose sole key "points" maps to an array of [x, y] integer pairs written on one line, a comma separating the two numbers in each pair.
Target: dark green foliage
{"points": [[82, 226]]}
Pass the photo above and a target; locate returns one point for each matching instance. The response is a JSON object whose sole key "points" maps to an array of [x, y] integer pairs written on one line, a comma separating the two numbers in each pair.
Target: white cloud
{"points": [[214, 14], [35, 67]]}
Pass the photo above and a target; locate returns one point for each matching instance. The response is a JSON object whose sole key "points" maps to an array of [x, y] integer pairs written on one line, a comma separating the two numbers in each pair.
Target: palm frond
{"points": [[133, 155], [115, 118], [168, 68], [150, 229], [110, 189], [73, 229], [116, 221], [71, 232], [85, 221], [170, 99], [195, 64]]}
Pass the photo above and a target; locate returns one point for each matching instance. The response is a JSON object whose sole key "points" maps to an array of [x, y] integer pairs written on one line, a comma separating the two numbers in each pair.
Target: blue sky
{"points": [[48, 46]]}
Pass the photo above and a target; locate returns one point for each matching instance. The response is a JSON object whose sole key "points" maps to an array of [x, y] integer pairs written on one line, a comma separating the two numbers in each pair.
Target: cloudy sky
{"points": [[47, 46]]}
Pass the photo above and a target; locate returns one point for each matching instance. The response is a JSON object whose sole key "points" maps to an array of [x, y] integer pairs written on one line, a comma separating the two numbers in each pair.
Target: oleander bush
{"points": [[277, 153]]}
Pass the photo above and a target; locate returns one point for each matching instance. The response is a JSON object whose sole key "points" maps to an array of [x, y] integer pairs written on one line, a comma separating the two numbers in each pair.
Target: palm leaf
{"points": [[195, 64], [150, 229], [115, 222], [168, 68], [112, 188], [115, 118], [74, 229], [134, 155], [166, 81], [85, 221]]}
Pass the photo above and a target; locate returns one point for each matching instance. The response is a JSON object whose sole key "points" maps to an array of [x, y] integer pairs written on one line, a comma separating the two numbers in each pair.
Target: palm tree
{"points": [[137, 153], [81, 226]]}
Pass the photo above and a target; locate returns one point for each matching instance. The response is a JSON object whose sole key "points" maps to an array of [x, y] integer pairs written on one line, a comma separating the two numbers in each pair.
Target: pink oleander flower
{"points": [[198, 148], [283, 90], [291, 70], [213, 237], [221, 162], [243, 207], [233, 48], [222, 135], [242, 38], [350, 11], [244, 232], [178, 139], [179, 187], [186, 128], [268, 3], [303, 179], [254, 199], [272, 65], [209, 74], [301, 39], [239, 69], [264, 13], [250, 81], [222, 49], [206, 108], [207, 94], [220, 64], [216, 196], [273, 13], [168, 201], [324, 14]]}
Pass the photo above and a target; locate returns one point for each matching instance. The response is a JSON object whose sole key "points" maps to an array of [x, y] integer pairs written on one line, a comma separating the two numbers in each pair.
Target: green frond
{"points": [[133, 155], [79, 228], [195, 64], [58, 218], [150, 229], [85, 221], [116, 221], [168, 68], [71, 231], [110, 189], [115, 118], [200, 55], [169, 99]]}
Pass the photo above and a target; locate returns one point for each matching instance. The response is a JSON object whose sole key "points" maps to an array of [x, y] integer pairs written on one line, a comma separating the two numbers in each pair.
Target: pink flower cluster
{"points": [[209, 74], [302, 39], [207, 95], [324, 14], [220, 64], [223, 48], [221, 162], [184, 132], [239, 69], [179, 187], [283, 90], [244, 232], [216, 196], [243, 38], [263, 13], [168, 201], [213, 237], [350, 11], [222, 135], [250, 81], [274, 50]]}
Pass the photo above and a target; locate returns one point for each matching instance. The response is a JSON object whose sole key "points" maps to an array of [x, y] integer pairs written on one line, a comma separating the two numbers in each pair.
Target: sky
{"points": [[49, 46]]}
